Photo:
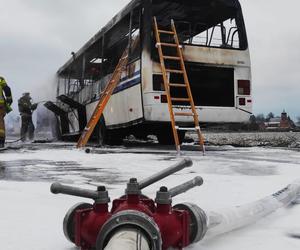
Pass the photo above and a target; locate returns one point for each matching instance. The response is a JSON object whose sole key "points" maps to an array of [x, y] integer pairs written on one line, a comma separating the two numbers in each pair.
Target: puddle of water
{"points": [[64, 171], [255, 170]]}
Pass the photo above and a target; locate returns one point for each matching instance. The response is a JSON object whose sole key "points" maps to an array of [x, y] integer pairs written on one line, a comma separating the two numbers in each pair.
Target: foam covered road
{"points": [[31, 217]]}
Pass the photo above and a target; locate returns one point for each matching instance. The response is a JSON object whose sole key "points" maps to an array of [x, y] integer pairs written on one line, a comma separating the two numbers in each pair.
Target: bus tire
{"points": [[101, 132], [114, 138]]}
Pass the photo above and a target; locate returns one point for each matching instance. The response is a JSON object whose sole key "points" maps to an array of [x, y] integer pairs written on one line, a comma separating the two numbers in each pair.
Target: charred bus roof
{"points": [[194, 11]]}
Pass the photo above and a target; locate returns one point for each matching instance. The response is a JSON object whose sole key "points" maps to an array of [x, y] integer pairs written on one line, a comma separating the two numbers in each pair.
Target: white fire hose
{"points": [[220, 222], [227, 220], [128, 239]]}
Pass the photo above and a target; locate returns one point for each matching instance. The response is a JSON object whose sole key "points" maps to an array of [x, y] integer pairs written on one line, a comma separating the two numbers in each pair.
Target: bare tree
{"points": [[298, 121], [260, 118], [269, 116]]}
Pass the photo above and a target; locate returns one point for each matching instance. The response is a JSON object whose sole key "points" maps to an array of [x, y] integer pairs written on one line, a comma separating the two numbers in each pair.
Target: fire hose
{"points": [[138, 222]]}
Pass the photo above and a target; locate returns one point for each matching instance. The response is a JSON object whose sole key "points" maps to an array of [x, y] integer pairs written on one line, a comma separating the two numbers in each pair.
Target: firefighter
{"points": [[5, 102], [26, 108]]}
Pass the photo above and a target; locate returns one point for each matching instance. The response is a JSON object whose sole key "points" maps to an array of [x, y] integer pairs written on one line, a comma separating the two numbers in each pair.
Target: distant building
{"points": [[280, 123]]}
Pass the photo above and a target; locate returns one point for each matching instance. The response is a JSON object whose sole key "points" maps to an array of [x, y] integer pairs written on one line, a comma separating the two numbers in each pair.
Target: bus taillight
{"points": [[242, 101], [243, 87]]}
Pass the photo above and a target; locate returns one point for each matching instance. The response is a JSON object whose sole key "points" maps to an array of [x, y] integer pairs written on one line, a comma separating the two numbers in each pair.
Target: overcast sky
{"points": [[37, 37]]}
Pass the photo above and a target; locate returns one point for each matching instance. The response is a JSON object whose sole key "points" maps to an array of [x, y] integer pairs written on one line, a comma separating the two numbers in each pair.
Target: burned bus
{"points": [[215, 49]]}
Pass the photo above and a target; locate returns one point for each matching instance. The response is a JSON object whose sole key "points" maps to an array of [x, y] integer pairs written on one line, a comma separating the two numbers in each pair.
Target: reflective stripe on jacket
{"points": [[5, 92]]}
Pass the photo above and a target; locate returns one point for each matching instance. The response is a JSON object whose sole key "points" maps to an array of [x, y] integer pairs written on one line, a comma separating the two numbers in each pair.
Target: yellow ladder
{"points": [[104, 98], [186, 85]]}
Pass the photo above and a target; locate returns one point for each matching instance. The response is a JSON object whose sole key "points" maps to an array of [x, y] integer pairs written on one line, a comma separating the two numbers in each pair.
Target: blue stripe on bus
{"points": [[127, 85]]}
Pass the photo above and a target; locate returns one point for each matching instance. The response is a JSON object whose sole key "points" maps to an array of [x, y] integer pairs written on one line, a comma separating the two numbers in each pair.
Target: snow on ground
{"points": [[250, 139], [31, 217]]}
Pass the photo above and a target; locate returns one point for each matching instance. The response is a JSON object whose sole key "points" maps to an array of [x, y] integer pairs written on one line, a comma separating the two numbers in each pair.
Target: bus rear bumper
{"points": [[160, 113]]}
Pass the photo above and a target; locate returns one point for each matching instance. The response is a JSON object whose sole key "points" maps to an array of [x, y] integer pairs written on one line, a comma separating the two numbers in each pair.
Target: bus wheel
{"points": [[114, 138], [101, 132], [167, 138]]}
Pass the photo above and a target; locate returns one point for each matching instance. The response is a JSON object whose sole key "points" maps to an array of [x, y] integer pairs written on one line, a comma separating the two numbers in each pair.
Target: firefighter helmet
{"points": [[2, 80]]}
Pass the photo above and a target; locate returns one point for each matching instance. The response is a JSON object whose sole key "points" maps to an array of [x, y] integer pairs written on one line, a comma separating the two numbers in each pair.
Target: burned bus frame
{"points": [[82, 78]]}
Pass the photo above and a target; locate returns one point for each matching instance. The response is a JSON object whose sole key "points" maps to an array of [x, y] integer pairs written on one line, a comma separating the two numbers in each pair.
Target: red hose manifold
{"points": [[92, 226]]}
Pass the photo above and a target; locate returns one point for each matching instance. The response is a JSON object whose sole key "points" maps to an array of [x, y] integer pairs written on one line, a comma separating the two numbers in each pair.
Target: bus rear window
{"points": [[204, 23], [224, 35]]}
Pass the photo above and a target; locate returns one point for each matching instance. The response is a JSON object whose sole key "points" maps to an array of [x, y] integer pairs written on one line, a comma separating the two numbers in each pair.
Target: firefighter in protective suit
{"points": [[26, 108], [5, 102]]}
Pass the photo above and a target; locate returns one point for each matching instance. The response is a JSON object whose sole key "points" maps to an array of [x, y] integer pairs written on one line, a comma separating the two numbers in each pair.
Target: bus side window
{"points": [[135, 51], [134, 30], [130, 70]]}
